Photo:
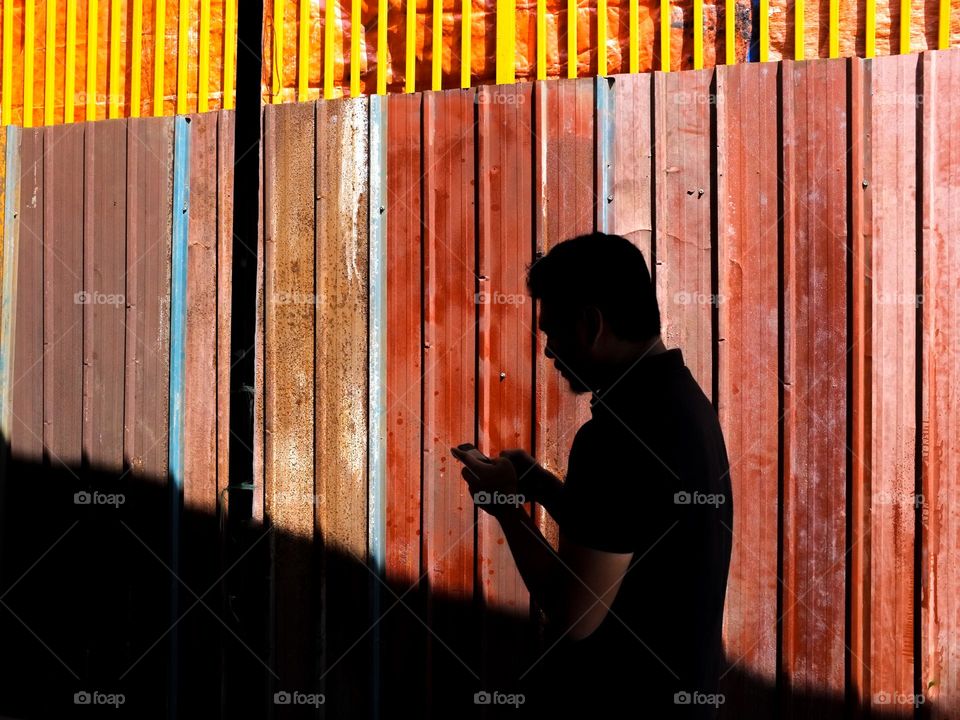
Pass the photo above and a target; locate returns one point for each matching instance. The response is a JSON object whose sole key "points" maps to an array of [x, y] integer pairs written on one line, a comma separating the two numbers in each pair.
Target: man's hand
{"points": [[492, 482]]}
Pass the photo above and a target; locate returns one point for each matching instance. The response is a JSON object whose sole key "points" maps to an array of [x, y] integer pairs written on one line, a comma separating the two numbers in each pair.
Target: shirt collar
{"points": [[636, 379]]}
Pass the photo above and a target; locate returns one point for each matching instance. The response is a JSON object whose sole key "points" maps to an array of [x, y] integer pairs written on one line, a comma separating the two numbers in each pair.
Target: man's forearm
{"points": [[549, 494], [538, 564]]}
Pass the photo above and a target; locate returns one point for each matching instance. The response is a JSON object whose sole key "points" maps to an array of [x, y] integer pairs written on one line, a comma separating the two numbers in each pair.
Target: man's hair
{"points": [[607, 271]]}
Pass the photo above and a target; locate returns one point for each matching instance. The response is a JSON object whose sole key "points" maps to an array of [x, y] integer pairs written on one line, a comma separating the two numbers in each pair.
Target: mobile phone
{"points": [[467, 447]]}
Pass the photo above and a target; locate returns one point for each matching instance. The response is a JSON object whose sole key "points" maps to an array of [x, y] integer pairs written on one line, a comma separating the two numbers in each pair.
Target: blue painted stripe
{"points": [[377, 431], [604, 96], [178, 331], [11, 233]]}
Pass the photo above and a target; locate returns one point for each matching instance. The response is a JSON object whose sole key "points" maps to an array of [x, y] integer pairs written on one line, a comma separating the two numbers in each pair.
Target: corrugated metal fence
{"points": [[801, 222]]}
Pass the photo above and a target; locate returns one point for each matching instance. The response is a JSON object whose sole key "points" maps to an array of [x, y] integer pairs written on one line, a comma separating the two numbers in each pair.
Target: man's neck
{"points": [[631, 357]]}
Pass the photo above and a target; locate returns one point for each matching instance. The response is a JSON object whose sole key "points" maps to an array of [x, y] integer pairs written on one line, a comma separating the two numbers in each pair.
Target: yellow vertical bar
{"points": [[466, 43], [665, 35], [765, 30], [409, 78], [541, 39], [572, 38], [697, 34], [834, 28], [135, 59], [381, 48], [158, 55], [6, 88], [798, 28], [329, 27], [229, 54], [436, 46], [183, 54], [506, 41], [29, 11], [69, 74], [730, 31], [943, 41], [91, 99], [203, 58], [355, 28], [303, 51], [114, 102], [870, 43], [602, 36], [904, 27], [50, 53], [277, 54], [634, 45]]}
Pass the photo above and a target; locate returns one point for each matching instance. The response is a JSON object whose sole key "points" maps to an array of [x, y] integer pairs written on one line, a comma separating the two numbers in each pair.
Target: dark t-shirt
{"points": [[649, 474]]}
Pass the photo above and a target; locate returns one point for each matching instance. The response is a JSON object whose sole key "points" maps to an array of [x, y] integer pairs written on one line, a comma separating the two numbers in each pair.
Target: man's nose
{"points": [[548, 352]]}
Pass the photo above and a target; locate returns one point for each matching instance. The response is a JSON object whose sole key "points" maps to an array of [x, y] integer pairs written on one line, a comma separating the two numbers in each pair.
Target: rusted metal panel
{"points": [[26, 393], [149, 221], [342, 263], [564, 206], [200, 390], [748, 382], [403, 640], [226, 135], [149, 225], [815, 382], [684, 193], [631, 205], [289, 221], [940, 603], [505, 354], [449, 394], [63, 282], [884, 448], [199, 529], [104, 239]]}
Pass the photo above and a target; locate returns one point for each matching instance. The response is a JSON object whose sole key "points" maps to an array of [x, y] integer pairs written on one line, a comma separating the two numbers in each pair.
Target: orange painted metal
{"points": [[684, 193], [815, 339], [404, 641], [449, 394], [884, 448], [748, 381], [506, 336], [940, 411]]}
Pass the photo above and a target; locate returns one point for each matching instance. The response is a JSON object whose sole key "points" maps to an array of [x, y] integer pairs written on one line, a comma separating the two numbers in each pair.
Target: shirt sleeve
{"points": [[603, 500]]}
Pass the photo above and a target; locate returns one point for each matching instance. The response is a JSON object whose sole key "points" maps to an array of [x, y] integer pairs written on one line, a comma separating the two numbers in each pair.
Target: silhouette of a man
{"points": [[634, 596]]}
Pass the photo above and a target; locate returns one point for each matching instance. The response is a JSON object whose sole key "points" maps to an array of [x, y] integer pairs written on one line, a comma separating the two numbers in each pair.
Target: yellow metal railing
{"points": [[82, 48]]}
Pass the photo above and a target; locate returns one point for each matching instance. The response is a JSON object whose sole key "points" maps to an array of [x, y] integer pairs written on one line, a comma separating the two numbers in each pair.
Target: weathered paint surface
{"points": [[684, 194], [748, 348], [288, 386], [404, 642], [815, 381], [940, 401], [885, 234], [341, 366], [506, 332], [449, 393]]}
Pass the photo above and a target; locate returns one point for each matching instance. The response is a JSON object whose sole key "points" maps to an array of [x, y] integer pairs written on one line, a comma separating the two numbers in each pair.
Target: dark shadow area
{"points": [[86, 608]]}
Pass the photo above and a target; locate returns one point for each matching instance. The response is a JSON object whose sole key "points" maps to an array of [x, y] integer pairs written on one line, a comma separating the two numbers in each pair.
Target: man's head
{"points": [[598, 306]]}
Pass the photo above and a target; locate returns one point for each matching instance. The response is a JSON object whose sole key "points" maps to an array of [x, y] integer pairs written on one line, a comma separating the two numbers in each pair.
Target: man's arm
{"points": [[574, 588]]}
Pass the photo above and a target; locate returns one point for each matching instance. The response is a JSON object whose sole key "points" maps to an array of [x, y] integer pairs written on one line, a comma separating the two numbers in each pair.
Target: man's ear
{"points": [[593, 320]]}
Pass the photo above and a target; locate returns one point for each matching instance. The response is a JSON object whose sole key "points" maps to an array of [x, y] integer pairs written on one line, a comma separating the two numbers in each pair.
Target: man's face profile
{"points": [[565, 346]]}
